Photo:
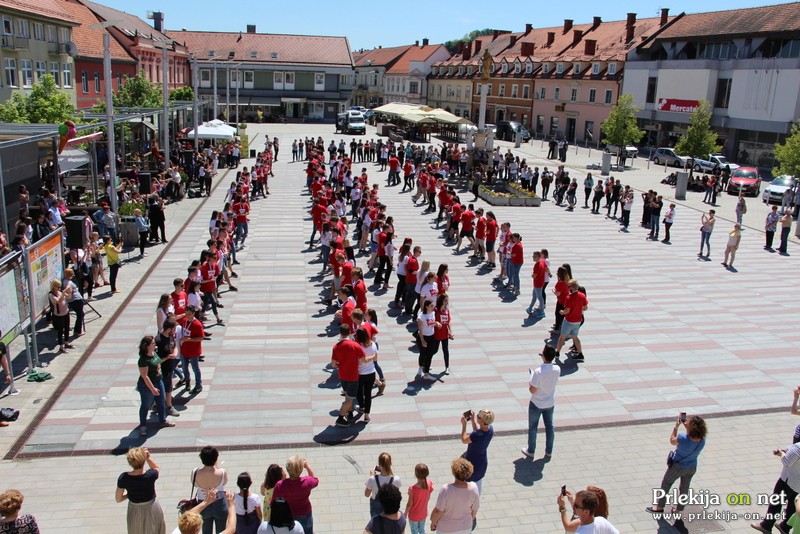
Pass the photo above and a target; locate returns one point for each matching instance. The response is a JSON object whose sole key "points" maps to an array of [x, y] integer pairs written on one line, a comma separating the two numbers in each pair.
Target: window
{"points": [[517, 67], [514, 91], [85, 81], [545, 68], [26, 72], [234, 79], [595, 68], [529, 68], [38, 31], [288, 81], [277, 80], [319, 81], [553, 125], [458, 92], [66, 74], [539, 123], [609, 96], [467, 94], [502, 90], [23, 28], [526, 91], [97, 88], [52, 35], [488, 89], [723, 96], [11, 72], [64, 35], [504, 68], [205, 77], [55, 72], [413, 87], [8, 26], [253, 55], [249, 79], [556, 94], [560, 68], [542, 93], [612, 69], [652, 83], [592, 95], [466, 114], [573, 94], [41, 70], [119, 80], [212, 53], [576, 68]]}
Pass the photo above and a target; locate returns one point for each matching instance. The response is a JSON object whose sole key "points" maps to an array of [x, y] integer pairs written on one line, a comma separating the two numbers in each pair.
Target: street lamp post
{"points": [[195, 110], [238, 83], [165, 98], [111, 148]]}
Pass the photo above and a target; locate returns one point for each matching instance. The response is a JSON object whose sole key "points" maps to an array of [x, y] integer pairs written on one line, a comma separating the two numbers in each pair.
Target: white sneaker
{"points": [[420, 371], [428, 376]]}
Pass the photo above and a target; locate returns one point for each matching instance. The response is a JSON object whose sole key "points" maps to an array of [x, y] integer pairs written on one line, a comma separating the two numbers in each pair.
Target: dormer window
{"points": [[560, 68], [253, 54], [450, 70], [517, 67], [545, 68], [505, 68], [469, 71], [529, 67], [576, 68], [595, 68], [212, 53], [460, 71], [612, 68]]}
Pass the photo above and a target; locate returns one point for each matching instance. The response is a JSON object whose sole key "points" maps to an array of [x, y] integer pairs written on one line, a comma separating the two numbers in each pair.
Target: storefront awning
{"points": [[260, 101], [287, 100]]}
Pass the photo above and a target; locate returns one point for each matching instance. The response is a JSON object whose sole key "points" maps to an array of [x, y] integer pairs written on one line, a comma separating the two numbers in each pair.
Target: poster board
{"points": [[14, 306], [46, 263]]}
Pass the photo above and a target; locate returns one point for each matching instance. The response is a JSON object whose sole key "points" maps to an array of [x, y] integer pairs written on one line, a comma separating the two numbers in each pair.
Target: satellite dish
{"points": [[72, 49], [150, 15]]}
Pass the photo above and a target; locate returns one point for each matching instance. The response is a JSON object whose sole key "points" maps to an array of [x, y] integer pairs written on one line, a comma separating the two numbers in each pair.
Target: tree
{"points": [[620, 128], [452, 45], [45, 104], [788, 154], [138, 92], [699, 140], [182, 94]]}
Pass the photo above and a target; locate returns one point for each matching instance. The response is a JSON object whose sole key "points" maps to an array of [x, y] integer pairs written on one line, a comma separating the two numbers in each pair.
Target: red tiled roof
{"points": [[610, 38], [43, 8], [295, 49], [128, 24], [782, 18], [380, 56], [90, 41], [414, 53]]}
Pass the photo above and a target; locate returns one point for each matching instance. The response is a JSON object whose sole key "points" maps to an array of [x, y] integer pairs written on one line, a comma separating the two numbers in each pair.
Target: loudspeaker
{"points": [[145, 183], [76, 236]]}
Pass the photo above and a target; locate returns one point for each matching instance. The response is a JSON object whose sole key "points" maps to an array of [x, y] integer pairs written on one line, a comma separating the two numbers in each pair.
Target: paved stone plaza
{"points": [[664, 333]]}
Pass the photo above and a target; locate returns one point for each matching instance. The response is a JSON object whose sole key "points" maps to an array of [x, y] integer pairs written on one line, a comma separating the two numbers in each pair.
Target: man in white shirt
{"points": [[542, 386], [584, 505]]}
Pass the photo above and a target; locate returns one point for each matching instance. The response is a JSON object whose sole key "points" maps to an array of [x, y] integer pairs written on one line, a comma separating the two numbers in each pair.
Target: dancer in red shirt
{"points": [[344, 357], [575, 304], [444, 332]]}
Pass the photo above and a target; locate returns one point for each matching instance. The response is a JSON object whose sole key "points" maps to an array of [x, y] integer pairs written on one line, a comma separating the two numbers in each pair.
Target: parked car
{"points": [[630, 150], [507, 130], [667, 155], [745, 179], [707, 165], [362, 109], [774, 191], [369, 113]]}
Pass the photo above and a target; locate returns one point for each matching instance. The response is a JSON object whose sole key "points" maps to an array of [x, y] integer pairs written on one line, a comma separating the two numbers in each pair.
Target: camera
{"points": [[468, 414]]}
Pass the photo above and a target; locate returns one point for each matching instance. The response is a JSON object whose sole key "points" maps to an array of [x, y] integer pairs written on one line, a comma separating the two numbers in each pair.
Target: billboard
{"points": [[14, 312], [677, 106], [46, 261]]}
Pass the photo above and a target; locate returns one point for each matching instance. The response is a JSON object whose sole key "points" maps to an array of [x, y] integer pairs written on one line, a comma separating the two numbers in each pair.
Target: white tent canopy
{"points": [[72, 158], [420, 114], [215, 129]]}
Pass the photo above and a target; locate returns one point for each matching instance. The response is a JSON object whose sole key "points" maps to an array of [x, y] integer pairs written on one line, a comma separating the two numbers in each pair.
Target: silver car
{"points": [[773, 193], [668, 156]]}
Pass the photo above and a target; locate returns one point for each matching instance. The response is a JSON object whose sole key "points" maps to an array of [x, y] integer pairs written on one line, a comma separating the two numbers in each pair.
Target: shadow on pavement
{"points": [[527, 472]]}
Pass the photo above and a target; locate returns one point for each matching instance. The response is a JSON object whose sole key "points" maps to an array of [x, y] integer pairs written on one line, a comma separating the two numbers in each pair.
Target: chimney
{"points": [[526, 49], [629, 27], [567, 25], [596, 22], [460, 47], [512, 40], [467, 52], [251, 28], [576, 36], [425, 42], [477, 47], [664, 15], [158, 20], [590, 47], [495, 33], [528, 28], [551, 37], [416, 43]]}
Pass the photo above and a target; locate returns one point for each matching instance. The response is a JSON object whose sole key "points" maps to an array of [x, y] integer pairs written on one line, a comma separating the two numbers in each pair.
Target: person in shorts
{"points": [[574, 306], [344, 357]]}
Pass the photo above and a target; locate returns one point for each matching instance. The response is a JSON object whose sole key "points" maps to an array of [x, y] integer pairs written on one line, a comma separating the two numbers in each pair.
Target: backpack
{"points": [[8, 414]]}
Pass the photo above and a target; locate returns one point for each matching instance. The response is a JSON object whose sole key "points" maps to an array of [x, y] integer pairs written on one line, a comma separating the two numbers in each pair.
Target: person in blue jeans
{"points": [[542, 387], [150, 386]]}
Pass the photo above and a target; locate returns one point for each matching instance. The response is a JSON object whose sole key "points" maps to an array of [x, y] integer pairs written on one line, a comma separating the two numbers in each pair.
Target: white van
{"points": [[351, 121]]}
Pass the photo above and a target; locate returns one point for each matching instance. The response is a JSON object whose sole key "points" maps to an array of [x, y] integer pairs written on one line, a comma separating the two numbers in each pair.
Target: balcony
{"points": [[57, 48], [16, 43]]}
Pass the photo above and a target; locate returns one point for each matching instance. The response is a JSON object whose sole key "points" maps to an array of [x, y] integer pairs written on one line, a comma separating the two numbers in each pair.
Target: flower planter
{"points": [[516, 201]]}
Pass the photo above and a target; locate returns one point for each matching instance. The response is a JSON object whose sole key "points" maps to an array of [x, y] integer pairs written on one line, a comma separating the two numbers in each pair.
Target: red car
{"points": [[745, 179]]}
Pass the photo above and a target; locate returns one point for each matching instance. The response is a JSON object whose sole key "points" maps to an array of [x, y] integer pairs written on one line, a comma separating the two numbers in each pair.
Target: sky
{"points": [[367, 25]]}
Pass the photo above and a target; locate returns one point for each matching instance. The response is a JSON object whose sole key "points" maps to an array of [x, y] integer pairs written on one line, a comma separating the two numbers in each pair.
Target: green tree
{"points": [[138, 92], [45, 104], [182, 94], [620, 127], [699, 140], [788, 154], [452, 45]]}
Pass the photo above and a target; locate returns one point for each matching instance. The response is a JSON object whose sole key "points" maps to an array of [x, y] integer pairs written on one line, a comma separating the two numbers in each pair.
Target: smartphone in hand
{"points": [[564, 490]]}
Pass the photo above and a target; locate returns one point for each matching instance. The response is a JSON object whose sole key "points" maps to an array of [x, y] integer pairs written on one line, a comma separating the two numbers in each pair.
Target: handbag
{"points": [[671, 455], [187, 504]]}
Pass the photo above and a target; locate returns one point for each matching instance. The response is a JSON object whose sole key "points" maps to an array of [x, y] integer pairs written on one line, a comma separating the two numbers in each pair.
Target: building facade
{"points": [[36, 40], [368, 77], [90, 79], [745, 62], [290, 76], [407, 79]]}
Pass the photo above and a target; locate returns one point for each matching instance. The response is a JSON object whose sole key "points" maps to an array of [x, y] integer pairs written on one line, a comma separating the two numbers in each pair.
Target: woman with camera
{"points": [[477, 442]]}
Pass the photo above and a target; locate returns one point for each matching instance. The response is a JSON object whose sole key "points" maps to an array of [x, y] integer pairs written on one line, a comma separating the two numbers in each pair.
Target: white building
{"points": [[745, 62], [406, 80]]}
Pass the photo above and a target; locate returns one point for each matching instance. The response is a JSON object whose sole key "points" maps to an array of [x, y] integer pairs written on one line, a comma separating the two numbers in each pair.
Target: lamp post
{"points": [[238, 83], [195, 110], [165, 103]]}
